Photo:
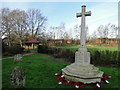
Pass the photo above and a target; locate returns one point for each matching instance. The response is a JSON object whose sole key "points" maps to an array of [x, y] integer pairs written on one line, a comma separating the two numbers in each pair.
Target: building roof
{"points": [[32, 41]]}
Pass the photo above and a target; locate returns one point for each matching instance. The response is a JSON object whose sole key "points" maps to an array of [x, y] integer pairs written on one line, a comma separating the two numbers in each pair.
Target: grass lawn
{"points": [[74, 48], [40, 70]]}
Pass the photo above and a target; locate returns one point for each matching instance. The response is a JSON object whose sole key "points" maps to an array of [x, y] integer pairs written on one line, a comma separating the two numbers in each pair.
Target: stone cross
{"points": [[83, 33], [82, 57], [81, 70]]}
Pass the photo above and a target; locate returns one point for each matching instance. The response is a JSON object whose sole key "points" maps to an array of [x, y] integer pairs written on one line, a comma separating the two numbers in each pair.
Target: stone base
{"points": [[79, 73]]}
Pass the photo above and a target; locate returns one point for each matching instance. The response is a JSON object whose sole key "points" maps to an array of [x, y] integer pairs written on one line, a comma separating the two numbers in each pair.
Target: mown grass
{"points": [[40, 70]]}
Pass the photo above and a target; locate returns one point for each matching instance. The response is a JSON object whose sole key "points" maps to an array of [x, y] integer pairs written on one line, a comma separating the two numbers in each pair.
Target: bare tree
{"points": [[113, 32], [94, 35], [35, 21], [57, 32], [100, 31], [18, 19], [61, 30], [18, 23], [5, 24], [106, 31], [66, 36], [52, 31], [77, 31]]}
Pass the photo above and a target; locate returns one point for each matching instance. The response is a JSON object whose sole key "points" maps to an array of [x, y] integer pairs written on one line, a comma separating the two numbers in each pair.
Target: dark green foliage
{"points": [[91, 50], [67, 54], [98, 57], [95, 57], [12, 50], [16, 49], [3, 47], [57, 52], [105, 58], [45, 49], [42, 49]]}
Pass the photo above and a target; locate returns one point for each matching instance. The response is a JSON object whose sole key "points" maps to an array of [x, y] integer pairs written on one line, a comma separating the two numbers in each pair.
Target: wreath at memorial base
{"points": [[61, 80]]}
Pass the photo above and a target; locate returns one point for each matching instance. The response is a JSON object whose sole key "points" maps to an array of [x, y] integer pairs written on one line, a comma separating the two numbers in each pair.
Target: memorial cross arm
{"points": [[88, 13]]}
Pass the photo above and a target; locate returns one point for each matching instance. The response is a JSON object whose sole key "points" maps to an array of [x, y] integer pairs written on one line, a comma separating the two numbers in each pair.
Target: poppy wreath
{"points": [[61, 80]]}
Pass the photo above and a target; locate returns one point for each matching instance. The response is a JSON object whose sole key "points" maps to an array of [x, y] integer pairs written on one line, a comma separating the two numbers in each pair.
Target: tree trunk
{"points": [[21, 43], [9, 42]]}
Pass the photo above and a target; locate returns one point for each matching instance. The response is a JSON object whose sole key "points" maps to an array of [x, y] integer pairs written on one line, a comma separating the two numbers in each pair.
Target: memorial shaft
{"points": [[83, 31], [83, 34]]}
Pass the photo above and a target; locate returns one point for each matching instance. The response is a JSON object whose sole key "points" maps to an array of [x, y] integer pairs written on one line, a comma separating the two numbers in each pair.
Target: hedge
{"points": [[12, 50], [102, 58]]}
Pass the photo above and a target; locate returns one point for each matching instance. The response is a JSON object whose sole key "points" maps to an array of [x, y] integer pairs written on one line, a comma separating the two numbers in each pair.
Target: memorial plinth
{"points": [[81, 70]]}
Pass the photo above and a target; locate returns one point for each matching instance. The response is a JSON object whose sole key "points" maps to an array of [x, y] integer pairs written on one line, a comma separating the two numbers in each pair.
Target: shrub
{"points": [[57, 52], [95, 57], [106, 58], [16, 49], [65, 53], [45, 49], [52, 50], [42, 49], [4, 47], [102, 58], [12, 50], [69, 55]]}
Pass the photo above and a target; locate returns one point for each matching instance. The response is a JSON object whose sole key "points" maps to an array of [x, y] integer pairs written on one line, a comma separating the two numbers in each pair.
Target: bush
{"points": [[4, 47], [102, 58], [67, 54], [12, 50], [42, 49], [45, 49], [57, 52], [16, 49], [106, 58]]}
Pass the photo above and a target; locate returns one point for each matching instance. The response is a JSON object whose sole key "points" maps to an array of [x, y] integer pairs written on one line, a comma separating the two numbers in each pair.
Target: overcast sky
{"points": [[57, 12]]}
